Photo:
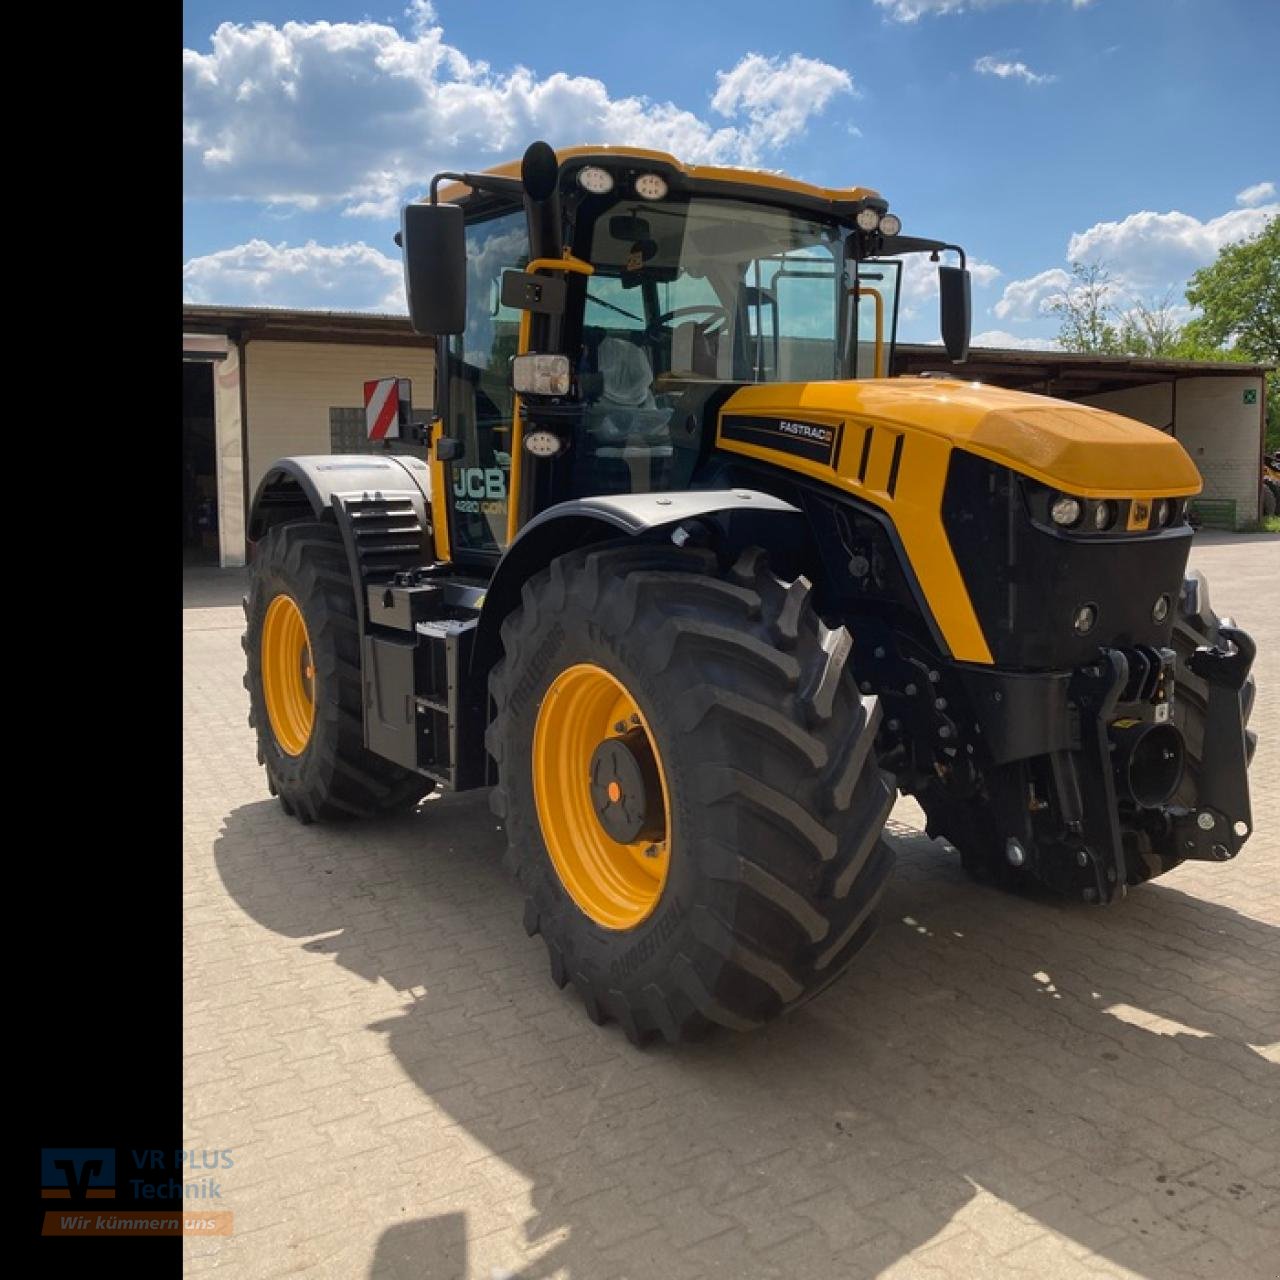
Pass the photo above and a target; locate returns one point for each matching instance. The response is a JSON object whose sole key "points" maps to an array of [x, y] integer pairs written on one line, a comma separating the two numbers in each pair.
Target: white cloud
{"points": [[343, 277], [1257, 194], [1024, 299], [1003, 338], [914, 10], [421, 15], [919, 283], [1005, 69], [1147, 256], [358, 115], [777, 97], [1160, 250]]}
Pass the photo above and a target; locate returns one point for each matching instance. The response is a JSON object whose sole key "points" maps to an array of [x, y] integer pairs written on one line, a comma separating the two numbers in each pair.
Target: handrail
{"points": [[856, 292]]}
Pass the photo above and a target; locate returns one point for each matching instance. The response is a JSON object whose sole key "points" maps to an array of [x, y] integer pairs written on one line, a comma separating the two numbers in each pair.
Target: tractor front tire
{"points": [[748, 779], [302, 651]]}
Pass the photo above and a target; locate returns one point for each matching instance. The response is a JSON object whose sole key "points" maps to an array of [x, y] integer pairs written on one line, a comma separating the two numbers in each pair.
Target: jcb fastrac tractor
{"points": [[697, 589]]}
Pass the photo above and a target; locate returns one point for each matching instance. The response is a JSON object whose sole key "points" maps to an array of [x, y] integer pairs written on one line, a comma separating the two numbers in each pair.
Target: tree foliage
{"points": [[1086, 311], [1239, 297]]}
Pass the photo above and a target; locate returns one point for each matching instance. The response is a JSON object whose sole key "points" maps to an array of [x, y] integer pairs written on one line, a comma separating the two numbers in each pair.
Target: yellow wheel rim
{"points": [[288, 675], [616, 883]]}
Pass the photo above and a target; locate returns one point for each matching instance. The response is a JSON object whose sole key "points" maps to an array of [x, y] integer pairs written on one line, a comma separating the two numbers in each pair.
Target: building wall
{"points": [[1152, 404], [291, 386], [1212, 422], [1221, 433]]}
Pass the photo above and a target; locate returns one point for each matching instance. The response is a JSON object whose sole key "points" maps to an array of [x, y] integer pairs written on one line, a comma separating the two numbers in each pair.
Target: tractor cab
{"points": [[594, 314]]}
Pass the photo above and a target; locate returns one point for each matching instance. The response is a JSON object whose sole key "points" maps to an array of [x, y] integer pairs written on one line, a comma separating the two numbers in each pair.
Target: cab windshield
{"points": [[717, 289]]}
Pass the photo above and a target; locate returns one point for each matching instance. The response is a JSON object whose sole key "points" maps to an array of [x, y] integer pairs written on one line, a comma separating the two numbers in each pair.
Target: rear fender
{"points": [[303, 488]]}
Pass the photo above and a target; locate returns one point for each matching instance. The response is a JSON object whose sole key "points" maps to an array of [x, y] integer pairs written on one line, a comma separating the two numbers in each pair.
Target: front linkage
{"points": [[1089, 780]]}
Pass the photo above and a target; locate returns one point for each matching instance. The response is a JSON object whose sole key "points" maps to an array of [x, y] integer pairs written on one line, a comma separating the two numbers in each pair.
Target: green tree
{"points": [[1151, 328], [1239, 297]]}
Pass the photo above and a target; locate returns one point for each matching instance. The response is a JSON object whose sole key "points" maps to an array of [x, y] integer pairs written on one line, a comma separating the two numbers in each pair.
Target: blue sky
{"points": [[1140, 133]]}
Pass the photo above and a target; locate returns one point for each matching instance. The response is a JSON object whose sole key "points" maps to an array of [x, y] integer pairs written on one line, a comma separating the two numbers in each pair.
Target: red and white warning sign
{"points": [[386, 407]]}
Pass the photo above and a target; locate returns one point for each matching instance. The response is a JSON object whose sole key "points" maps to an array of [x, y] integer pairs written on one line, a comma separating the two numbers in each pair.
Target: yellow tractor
{"points": [[697, 589]]}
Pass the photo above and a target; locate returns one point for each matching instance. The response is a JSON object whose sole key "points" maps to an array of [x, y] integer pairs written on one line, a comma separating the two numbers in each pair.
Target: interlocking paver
{"points": [[1003, 1086]]}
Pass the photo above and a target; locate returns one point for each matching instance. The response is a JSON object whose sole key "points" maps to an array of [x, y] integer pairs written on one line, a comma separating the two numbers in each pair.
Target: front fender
{"points": [[582, 521]]}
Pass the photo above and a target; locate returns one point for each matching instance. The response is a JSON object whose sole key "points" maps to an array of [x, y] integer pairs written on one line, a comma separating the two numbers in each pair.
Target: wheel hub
{"points": [[625, 790], [288, 675]]}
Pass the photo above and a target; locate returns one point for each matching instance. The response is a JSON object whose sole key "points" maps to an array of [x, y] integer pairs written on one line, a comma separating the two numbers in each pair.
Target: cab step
{"points": [[422, 708]]}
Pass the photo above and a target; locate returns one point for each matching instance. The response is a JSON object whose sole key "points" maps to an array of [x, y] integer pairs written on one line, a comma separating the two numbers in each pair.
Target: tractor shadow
{"points": [[1096, 1070]]}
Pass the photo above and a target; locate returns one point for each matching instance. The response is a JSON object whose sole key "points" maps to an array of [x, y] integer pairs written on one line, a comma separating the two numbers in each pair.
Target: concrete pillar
{"points": [[229, 444]]}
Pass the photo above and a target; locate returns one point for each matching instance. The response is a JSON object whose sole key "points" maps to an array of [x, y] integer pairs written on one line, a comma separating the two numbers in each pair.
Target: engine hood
{"points": [[1087, 451]]}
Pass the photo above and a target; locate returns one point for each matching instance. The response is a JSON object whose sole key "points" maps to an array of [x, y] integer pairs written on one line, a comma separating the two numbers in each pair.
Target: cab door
{"points": [[477, 396]]}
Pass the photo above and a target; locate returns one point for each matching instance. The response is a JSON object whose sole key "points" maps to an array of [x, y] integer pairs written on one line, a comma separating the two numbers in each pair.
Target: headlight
{"points": [[867, 219], [542, 444], [649, 186], [1165, 509], [535, 375], [1104, 515], [1086, 616], [891, 224], [1066, 510], [597, 181]]}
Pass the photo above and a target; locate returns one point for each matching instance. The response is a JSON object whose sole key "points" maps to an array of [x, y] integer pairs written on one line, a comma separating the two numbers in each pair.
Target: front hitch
{"points": [[1223, 819], [1094, 692]]}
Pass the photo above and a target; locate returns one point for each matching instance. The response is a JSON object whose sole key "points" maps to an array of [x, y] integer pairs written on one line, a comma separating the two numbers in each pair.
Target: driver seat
{"points": [[625, 415], [693, 351], [627, 375]]}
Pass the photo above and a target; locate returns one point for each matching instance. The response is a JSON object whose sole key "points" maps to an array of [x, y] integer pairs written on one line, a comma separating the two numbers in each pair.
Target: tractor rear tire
{"points": [[772, 865], [310, 731]]}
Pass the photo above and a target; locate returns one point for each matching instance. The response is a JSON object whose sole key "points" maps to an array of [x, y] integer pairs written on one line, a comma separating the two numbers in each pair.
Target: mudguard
{"points": [[304, 487], [584, 520]]}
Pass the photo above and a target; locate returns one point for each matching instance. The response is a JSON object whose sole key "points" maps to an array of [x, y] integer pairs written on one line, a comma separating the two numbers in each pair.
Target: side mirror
{"points": [[956, 308], [433, 239]]}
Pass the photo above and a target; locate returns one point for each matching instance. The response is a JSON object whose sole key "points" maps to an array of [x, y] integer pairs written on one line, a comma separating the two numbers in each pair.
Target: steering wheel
{"points": [[717, 316]]}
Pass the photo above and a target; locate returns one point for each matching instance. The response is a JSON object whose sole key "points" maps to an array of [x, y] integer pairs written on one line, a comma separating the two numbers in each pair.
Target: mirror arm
{"points": [[477, 182], [893, 245]]}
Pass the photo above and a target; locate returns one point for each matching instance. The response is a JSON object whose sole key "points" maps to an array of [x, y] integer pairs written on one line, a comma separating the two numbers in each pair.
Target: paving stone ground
{"points": [[1002, 1086]]}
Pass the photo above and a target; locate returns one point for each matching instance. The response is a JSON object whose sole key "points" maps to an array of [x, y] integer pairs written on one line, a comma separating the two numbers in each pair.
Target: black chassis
{"points": [[1016, 763]]}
